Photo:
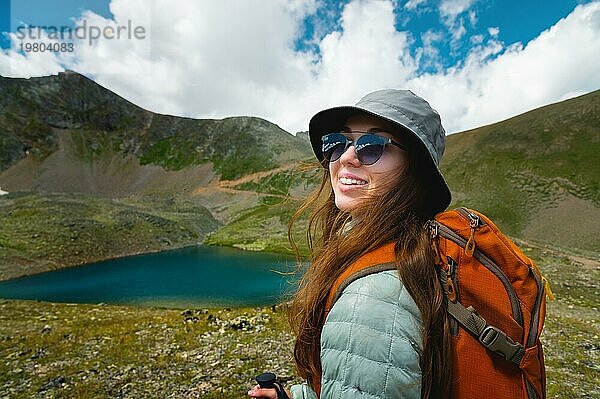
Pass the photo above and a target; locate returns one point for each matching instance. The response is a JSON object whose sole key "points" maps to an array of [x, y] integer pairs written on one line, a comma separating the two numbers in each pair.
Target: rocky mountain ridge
{"points": [[34, 112]]}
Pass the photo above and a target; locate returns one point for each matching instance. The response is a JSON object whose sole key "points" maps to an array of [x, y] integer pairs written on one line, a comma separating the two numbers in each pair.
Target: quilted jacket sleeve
{"points": [[371, 341], [302, 391]]}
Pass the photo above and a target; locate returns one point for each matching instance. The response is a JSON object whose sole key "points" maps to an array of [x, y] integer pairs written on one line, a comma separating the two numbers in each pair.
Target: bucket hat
{"points": [[411, 114]]}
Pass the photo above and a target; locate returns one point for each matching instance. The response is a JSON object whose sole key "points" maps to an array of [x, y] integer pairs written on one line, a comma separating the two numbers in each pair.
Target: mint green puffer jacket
{"points": [[370, 343]]}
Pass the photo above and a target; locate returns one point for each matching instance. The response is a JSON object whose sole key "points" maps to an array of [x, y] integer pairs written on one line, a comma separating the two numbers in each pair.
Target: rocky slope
{"points": [[65, 136]]}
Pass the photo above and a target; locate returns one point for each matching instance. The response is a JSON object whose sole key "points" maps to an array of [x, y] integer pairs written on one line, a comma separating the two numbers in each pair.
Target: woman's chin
{"points": [[346, 204]]}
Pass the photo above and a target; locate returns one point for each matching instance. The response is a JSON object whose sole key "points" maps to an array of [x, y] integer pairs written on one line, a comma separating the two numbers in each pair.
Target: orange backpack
{"points": [[496, 300]]}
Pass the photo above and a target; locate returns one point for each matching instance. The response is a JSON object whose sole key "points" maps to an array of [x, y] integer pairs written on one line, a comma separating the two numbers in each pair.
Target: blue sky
{"points": [[55, 13], [476, 61]]}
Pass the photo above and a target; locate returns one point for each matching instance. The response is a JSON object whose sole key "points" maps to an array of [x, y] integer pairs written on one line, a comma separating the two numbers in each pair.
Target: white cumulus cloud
{"points": [[413, 4], [452, 8], [493, 31], [450, 14]]}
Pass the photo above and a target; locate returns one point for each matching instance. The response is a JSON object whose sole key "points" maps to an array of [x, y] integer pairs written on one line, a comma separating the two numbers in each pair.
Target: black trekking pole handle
{"points": [[269, 380]]}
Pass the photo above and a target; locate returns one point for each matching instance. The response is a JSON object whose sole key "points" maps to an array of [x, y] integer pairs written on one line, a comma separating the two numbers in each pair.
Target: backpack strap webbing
{"points": [[361, 273], [489, 336]]}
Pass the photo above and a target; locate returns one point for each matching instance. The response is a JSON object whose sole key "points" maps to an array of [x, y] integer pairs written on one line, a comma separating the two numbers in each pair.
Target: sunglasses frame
{"points": [[385, 141]]}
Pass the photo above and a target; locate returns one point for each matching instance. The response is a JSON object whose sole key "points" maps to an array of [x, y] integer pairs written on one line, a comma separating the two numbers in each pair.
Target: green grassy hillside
{"points": [[235, 146], [536, 174]]}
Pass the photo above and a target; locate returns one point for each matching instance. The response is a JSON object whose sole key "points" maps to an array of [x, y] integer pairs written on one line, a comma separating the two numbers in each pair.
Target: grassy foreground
{"points": [[103, 351], [96, 351]]}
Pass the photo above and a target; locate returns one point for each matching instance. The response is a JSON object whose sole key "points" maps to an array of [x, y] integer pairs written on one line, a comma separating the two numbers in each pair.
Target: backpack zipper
{"points": [[451, 275], [472, 217], [535, 317], [490, 265], [452, 269], [474, 222], [547, 288]]}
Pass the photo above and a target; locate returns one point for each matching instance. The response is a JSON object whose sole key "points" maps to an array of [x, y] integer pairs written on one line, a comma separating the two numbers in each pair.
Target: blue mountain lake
{"points": [[188, 277]]}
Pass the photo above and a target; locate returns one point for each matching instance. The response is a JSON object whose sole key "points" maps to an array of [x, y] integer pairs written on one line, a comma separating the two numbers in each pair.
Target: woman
{"points": [[387, 336]]}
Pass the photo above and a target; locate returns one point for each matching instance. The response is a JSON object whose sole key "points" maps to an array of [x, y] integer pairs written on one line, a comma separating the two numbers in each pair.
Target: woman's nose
{"points": [[349, 157]]}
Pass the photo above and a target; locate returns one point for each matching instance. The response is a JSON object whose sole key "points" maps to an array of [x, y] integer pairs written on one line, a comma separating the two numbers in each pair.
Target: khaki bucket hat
{"points": [[411, 114]]}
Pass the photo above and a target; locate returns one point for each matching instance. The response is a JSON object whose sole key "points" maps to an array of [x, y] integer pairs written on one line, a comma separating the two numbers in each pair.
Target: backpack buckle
{"points": [[497, 341]]}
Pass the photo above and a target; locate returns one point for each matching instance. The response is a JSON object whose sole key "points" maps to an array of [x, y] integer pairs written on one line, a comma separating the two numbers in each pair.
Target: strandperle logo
{"points": [[63, 39], [85, 31]]}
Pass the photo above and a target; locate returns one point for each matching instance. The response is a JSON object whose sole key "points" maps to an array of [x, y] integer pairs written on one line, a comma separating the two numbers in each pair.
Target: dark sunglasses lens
{"points": [[334, 145], [369, 148]]}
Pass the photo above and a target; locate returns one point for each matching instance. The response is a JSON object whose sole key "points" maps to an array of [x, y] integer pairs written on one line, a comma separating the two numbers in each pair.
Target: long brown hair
{"points": [[399, 216]]}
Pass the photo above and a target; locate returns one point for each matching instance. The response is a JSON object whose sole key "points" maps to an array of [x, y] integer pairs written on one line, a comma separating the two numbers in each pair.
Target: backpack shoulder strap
{"points": [[380, 259], [361, 273]]}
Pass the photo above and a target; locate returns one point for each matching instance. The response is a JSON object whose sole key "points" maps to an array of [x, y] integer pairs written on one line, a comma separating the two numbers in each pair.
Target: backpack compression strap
{"points": [[491, 337]]}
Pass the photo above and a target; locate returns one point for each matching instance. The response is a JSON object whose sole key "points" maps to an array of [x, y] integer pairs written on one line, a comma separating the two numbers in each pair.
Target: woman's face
{"points": [[353, 182]]}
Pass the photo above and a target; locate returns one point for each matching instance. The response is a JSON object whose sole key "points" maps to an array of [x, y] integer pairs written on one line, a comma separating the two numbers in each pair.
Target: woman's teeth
{"points": [[345, 180]]}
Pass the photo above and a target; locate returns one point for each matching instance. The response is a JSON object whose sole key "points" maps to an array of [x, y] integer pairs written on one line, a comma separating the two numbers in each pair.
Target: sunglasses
{"points": [[368, 147]]}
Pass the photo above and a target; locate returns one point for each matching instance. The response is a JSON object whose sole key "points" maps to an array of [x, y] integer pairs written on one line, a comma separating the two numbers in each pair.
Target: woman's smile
{"points": [[349, 181]]}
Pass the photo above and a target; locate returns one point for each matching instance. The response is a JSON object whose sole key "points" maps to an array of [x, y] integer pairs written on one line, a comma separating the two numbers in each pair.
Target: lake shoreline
{"points": [[92, 260]]}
